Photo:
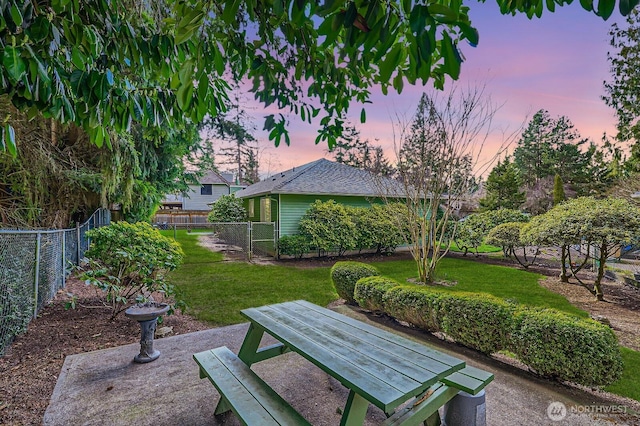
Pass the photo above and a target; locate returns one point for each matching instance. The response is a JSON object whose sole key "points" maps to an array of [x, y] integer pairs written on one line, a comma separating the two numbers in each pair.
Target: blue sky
{"points": [[557, 62]]}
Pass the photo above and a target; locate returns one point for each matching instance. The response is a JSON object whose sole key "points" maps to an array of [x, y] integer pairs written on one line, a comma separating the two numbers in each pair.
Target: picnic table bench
{"points": [[405, 379]]}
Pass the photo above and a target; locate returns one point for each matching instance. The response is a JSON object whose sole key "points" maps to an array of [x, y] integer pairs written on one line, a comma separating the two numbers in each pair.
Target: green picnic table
{"points": [[405, 379]]}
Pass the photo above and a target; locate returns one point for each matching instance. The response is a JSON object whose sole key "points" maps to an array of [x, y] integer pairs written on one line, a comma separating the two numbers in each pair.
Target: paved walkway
{"points": [[106, 388]]}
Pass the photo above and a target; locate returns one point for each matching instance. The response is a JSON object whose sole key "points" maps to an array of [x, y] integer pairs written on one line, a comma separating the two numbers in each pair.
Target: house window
{"points": [[206, 189], [265, 210], [252, 210]]}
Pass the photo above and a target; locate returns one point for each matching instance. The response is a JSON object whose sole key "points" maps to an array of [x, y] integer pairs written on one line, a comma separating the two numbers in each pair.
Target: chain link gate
{"points": [[263, 239]]}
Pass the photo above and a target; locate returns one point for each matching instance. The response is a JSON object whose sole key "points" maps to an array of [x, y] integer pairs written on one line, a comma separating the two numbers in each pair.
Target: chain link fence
{"points": [[252, 238], [33, 267]]}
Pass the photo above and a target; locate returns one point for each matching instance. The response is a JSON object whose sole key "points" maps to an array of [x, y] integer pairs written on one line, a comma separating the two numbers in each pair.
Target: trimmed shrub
{"points": [[227, 208], [479, 321], [293, 245], [328, 227], [552, 343], [557, 345], [129, 262], [369, 292], [416, 305], [345, 275]]}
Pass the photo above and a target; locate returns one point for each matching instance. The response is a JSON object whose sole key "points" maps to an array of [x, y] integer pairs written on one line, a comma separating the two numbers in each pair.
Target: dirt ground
{"points": [[30, 368]]}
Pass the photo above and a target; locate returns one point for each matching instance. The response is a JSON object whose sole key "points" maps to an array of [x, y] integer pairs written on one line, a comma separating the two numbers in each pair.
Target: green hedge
{"points": [[552, 343], [345, 275], [416, 305], [480, 321], [558, 345], [369, 291]]}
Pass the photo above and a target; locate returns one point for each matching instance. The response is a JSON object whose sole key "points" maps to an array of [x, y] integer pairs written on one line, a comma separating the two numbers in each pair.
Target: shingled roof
{"points": [[321, 177]]}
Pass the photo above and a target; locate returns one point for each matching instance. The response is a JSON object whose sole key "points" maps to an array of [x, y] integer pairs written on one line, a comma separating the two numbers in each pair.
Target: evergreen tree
{"points": [[558, 190], [533, 156], [237, 148], [503, 187], [355, 152]]}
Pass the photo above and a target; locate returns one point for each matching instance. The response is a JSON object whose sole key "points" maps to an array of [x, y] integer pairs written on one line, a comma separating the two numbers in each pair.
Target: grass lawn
{"points": [[508, 283], [629, 384], [216, 291], [483, 248]]}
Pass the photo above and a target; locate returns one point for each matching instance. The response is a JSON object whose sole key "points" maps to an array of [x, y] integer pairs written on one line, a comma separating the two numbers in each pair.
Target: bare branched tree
{"points": [[440, 158]]}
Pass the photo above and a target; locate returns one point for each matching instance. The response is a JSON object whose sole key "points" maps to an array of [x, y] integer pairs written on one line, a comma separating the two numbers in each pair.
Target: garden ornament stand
{"points": [[147, 316]]}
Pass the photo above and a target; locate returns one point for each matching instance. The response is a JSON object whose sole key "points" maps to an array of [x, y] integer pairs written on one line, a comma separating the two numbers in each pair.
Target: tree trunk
{"points": [[563, 260], [597, 288]]}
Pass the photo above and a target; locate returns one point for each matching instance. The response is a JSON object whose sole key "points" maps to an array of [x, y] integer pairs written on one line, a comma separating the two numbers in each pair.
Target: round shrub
{"points": [[227, 208], [565, 347], [416, 305], [129, 262], [479, 321], [345, 275], [369, 291]]}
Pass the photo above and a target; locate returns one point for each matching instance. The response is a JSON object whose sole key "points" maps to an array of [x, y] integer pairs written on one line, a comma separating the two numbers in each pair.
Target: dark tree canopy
{"points": [[623, 90], [107, 64]]}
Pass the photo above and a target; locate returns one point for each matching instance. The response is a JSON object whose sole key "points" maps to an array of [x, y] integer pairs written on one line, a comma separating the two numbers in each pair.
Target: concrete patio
{"points": [[107, 388]]}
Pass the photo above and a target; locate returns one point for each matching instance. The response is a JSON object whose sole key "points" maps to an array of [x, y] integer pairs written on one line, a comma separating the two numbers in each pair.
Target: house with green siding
{"points": [[285, 197]]}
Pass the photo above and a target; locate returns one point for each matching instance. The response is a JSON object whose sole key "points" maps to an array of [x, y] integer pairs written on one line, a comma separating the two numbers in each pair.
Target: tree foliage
{"points": [[548, 147], [129, 262], [473, 229], [61, 177], [238, 147], [227, 208], [603, 225], [355, 152], [328, 226], [106, 64], [558, 190], [622, 90], [503, 187], [508, 236]]}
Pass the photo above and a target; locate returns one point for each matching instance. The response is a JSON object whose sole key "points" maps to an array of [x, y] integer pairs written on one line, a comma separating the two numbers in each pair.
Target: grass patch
{"points": [[629, 383], [216, 291], [483, 248], [500, 281]]}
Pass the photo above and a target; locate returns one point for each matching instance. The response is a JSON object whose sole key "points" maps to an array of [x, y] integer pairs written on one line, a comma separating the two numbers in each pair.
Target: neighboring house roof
{"points": [[322, 177], [223, 178], [214, 178]]}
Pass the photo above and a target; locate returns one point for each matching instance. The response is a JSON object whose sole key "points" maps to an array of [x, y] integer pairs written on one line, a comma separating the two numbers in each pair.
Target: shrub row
{"points": [[552, 343], [332, 227]]}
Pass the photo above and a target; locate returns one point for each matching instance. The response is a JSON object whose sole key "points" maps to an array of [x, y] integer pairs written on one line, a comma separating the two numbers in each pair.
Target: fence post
{"points": [[275, 240], [64, 258], [78, 248], [250, 245], [36, 278]]}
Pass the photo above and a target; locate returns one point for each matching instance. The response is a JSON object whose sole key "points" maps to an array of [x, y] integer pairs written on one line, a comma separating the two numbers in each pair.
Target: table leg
{"points": [[355, 410], [434, 420], [250, 345]]}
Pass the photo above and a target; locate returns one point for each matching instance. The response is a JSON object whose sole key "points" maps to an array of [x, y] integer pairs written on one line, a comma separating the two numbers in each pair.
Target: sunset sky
{"points": [[558, 63]]}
